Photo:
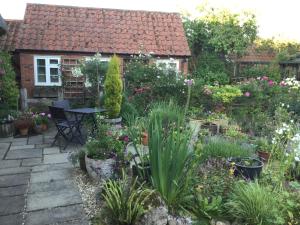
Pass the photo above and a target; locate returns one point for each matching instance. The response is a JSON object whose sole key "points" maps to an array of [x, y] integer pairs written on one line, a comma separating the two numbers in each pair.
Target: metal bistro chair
{"points": [[68, 129]]}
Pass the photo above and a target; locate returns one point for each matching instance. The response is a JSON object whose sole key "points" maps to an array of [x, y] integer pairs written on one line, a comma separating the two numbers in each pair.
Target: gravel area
{"points": [[89, 191]]}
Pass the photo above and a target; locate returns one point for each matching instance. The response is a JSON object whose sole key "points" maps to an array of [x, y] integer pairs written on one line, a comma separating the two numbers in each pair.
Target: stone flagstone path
{"points": [[36, 186]]}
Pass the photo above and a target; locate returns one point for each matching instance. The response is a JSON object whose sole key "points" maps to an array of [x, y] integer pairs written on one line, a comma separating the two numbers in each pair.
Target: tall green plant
{"points": [[113, 88], [170, 162], [9, 92], [125, 202]]}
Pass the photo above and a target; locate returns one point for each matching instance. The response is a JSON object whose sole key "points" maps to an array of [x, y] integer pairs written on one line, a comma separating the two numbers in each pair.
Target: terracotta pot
{"points": [[100, 169], [265, 156], [24, 131], [7, 129], [44, 127], [145, 138], [38, 129]]}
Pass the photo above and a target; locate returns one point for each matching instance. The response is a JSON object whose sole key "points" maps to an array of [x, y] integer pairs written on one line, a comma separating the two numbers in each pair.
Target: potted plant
{"points": [[263, 149], [249, 168], [102, 152], [113, 88], [23, 123], [7, 128], [41, 121]]}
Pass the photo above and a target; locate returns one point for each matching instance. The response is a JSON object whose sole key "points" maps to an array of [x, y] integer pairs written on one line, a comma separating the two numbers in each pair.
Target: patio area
{"points": [[36, 183]]}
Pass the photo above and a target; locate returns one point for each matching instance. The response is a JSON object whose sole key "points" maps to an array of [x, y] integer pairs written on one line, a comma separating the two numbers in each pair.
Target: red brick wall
{"points": [[27, 67]]}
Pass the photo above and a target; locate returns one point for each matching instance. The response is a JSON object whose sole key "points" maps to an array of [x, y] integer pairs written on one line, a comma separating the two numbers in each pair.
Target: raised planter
{"points": [[212, 127], [114, 120], [7, 129], [249, 168], [100, 169]]}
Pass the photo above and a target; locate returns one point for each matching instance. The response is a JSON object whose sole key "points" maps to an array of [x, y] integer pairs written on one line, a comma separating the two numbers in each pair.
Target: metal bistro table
{"points": [[81, 113]]}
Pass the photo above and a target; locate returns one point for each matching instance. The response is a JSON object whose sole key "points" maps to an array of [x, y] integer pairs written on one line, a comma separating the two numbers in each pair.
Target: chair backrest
{"points": [[57, 114], [65, 104]]}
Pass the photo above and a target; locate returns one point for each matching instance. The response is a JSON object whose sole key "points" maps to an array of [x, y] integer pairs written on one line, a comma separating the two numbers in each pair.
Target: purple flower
{"points": [[247, 94], [189, 82], [271, 83], [42, 114], [49, 116]]}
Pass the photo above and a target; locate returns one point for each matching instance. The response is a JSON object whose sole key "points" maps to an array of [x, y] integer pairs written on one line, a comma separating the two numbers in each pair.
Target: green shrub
{"points": [[253, 204], [113, 87], [170, 162], [125, 203], [9, 92], [221, 148], [225, 94]]}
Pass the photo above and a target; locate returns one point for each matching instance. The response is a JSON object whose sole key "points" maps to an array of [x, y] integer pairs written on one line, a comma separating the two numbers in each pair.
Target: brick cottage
{"points": [[51, 36]]}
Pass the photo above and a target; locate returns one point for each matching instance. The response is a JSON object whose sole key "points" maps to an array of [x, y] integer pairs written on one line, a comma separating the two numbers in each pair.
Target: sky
{"points": [[275, 18]]}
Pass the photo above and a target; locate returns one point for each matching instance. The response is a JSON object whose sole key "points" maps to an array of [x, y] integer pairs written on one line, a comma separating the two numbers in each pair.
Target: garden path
{"points": [[36, 185]]}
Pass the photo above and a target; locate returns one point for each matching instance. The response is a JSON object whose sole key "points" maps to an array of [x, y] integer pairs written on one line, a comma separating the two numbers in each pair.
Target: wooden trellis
{"points": [[73, 87]]}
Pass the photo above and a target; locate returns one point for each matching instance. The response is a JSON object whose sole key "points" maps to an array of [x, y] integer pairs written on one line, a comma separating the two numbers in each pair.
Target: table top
{"points": [[86, 110]]}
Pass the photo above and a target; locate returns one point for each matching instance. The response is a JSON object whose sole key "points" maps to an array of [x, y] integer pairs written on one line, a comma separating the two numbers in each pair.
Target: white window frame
{"points": [[87, 58], [47, 67], [167, 62]]}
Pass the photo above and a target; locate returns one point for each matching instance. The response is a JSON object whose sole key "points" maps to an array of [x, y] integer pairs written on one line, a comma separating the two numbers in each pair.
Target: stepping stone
{"points": [[49, 176], [57, 215], [51, 186], [52, 150], [11, 205], [15, 170], [9, 139], [31, 162], [24, 154], [15, 219], [9, 163], [56, 158], [13, 191], [19, 143], [19, 147], [36, 139], [14, 180], [51, 199], [51, 167]]}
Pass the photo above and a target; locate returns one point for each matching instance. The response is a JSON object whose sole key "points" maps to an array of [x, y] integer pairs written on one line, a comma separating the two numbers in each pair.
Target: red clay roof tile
{"points": [[9, 41], [102, 30]]}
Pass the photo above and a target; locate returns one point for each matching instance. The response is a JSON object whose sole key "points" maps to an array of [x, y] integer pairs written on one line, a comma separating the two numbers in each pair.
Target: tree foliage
{"points": [[9, 92], [113, 88]]}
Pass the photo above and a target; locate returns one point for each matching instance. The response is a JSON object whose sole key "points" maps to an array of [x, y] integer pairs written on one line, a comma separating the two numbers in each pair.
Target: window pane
{"points": [[53, 61], [173, 65], [41, 74], [53, 71], [41, 62], [41, 78], [54, 79]]}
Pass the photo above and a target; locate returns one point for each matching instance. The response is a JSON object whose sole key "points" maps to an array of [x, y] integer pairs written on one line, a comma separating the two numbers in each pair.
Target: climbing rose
{"points": [[247, 94]]}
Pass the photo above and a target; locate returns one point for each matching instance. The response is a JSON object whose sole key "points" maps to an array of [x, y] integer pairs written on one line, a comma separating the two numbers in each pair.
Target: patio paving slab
{"points": [[11, 205], [50, 176], [9, 163], [14, 170], [31, 162], [13, 191], [36, 139], [51, 199], [56, 158], [51, 186], [14, 180], [52, 150], [18, 147], [51, 167], [15, 219], [24, 154], [56, 215]]}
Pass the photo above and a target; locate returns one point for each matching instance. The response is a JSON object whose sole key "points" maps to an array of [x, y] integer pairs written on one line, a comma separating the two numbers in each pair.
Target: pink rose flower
{"points": [[271, 83], [42, 114], [247, 94], [265, 78], [282, 83]]}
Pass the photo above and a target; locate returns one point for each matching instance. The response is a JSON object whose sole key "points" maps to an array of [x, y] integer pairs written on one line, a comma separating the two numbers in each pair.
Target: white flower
{"points": [[158, 77], [297, 159]]}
